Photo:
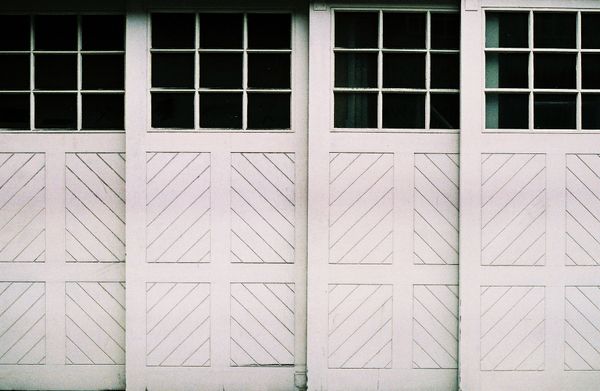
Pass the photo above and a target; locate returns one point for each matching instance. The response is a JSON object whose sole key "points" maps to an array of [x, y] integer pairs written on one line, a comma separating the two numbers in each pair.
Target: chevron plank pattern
{"points": [[361, 203], [513, 196], [178, 207], [95, 323], [436, 209], [22, 323], [582, 328], [360, 326], [262, 207], [512, 328], [583, 210], [262, 324], [22, 207], [178, 324], [95, 207], [435, 326]]}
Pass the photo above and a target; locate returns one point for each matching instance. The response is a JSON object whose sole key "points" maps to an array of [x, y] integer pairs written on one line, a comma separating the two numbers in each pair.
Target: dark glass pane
{"points": [[103, 72], [552, 70], [445, 31], [507, 111], [554, 111], [221, 70], [590, 30], [404, 70], [269, 31], [14, 111], [356, 29], [55, 71], [591, 111], [221, 31], [14, 32], [445, 111], [507, 70], [103, 32], [404, 111], [268, 70], [445, 70], [590, 64], [222, 111], [268, 111], [173, 31], [404, 30], [355, 110], [14, 72], [507, 30], [103, 111], [55, 32], [554, 30], [56, 111], [175, 70], [173, 110], [356, 69]]}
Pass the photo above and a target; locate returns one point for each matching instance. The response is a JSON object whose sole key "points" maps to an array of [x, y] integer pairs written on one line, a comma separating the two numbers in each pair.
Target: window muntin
{"points": [[396, 70]]}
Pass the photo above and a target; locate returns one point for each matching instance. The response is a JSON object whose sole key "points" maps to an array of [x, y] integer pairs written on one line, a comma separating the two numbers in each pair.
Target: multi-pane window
{"points": [[396, 70], [221, 71], [62, 72], [542, 70]]}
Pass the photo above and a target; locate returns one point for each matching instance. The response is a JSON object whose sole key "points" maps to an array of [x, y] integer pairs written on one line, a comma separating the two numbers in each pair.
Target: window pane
{"points": [[507, 30], [445, 31], [221, 70], [590, 70], [14, 72], [269, 31], [14, 111], [221, 31], [104, 111], [173, 110], [56, 32], [173, 31], [103, 72], [554, 30], [404, 70], [14, 32], [356, 29], [356, 70], [268, 70], [268, 111], [404, 111], [554, 111], [56, 111], [222, 111], [507, 70], [445, 70], [590, 31], [103, 32], [507, 111], [56, 72], [445, 111], [355, 110], [591, 111], [175, 70], [404, 30], [554, 70]]}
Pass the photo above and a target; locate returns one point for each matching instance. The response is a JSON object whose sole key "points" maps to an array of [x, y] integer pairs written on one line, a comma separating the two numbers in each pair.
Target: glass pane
{"points": [[554, 70], [268, 111], [173, 31], [103, 72], [355, 110], [14, 111], [105, 111], [269, 31], [590, 30], [445, 31], [56, 111], [554, 111], [103, 32], [175, 70], [55, 32], [14, 72], [56, 72], [14, 32], [404, 30], [445, 70], [507, 111], [404, 111], [507, 70], [404, 70], [591, 111], [445, 111], [356, 29], [506, 30], [173, 110], [268, 70], [221, 70], [554, 30], [221, 31], [356, 70], [590, 64], [222, 111]]}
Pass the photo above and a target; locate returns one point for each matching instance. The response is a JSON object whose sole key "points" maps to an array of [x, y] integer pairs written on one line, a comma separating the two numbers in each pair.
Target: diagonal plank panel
{"points": [[582, 328]]}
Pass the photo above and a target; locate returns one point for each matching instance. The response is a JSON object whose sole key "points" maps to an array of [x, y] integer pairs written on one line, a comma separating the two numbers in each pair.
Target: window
{"points": [[221, 71], [396, 70], [542, 70]]}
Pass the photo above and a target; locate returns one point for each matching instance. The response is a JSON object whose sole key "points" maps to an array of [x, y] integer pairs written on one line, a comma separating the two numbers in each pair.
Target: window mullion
{"points": [[79, 75], [245, 75], [197, 72], [380, 73], [578, 104], [531, 73], [428, 71], [31, 75]]}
